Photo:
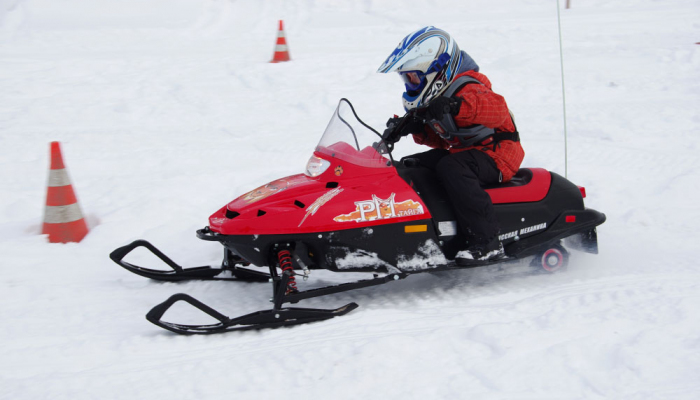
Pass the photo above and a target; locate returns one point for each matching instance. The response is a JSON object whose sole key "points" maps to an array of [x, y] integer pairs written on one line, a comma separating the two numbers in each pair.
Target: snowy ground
{"points": [[167, 110]]}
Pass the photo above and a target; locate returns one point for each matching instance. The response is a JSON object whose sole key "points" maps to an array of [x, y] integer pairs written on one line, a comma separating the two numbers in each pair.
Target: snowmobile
{"points": [[356, 209]]}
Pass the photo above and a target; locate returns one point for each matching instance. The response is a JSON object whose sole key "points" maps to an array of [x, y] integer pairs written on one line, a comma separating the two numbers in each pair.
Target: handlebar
{"points": [[393, 132]]}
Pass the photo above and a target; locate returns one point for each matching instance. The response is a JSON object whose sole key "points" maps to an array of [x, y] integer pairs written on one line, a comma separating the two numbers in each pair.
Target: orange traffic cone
{"points": [[281, 52], [63, 220]]}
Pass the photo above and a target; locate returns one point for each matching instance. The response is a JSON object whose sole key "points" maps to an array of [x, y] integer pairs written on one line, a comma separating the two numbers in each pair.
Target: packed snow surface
{"points": [[167, 110]]}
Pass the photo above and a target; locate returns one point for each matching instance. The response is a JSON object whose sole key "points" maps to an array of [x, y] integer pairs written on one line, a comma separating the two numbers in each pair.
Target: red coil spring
{"points": [[285, 258]]}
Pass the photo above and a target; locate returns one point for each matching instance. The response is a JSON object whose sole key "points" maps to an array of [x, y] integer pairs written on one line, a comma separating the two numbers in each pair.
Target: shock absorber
{"points": [[285, 259]]}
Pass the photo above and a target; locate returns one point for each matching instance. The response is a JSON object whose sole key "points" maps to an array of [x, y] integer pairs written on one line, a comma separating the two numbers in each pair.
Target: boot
{"points": [[478, 253]]}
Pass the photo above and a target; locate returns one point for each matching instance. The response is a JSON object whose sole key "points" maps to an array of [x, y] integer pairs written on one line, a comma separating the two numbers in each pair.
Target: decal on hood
{"points": [[268, 190], [376, 209], [316, 205]]}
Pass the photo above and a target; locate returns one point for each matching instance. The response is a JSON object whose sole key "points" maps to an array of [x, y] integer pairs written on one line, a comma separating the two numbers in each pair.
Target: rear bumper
{"points": [[577, 226]]}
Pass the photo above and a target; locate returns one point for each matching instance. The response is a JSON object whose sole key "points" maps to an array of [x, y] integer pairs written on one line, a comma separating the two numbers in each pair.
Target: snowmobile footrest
{"points": [[257, 320]]}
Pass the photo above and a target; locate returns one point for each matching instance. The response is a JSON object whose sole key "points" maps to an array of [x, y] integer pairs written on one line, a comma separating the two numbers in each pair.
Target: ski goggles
{"points": [[412, 79]]}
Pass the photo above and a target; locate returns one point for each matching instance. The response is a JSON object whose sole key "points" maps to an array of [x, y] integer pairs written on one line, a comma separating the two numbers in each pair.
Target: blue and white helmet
{"points": [[427, 60]]}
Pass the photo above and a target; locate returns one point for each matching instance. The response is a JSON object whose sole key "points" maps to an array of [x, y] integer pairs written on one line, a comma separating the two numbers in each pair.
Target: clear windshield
{"points": [[347, 139]]}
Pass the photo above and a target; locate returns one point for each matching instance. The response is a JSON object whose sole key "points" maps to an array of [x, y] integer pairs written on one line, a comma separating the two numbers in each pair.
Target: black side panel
{"points": [[585, 223], [520, 221], [349, 249]]}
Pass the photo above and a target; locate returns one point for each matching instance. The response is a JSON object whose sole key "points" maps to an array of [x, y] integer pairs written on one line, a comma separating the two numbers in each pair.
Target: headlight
{"points": [[316, 166]]}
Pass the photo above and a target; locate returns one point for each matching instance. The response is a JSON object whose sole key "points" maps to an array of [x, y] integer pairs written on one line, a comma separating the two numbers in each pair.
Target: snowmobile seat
{"points": [[528, 184], [521, 178]]}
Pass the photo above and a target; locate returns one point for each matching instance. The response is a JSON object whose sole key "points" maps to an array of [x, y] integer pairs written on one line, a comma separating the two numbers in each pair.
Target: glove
{"points": [[390, 133], [402, 126], [412, 125], [442, 105]]}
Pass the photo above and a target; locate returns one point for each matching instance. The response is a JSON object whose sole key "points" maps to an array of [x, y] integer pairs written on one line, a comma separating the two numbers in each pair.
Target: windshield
{"points": [[346, 138]]}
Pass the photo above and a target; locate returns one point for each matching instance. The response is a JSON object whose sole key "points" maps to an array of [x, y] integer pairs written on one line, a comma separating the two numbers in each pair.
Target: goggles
{"points": [[412, 79], [415, 80]]}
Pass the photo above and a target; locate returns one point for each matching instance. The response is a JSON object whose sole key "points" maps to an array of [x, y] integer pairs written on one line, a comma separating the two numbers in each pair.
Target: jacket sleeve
{"points": [[430, 139], [481, 106]]}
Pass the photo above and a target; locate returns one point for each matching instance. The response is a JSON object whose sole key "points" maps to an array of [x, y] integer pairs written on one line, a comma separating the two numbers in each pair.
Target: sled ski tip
{"points": [[178, 273], [256, 320]]}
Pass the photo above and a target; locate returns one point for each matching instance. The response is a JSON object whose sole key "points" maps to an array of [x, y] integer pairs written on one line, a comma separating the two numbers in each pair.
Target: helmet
{"points": [[428, 61]]}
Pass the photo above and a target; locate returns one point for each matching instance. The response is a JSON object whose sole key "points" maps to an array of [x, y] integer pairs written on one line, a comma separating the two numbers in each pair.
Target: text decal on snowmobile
{"points": [[325, 198], [375, 209], [522, 231]]}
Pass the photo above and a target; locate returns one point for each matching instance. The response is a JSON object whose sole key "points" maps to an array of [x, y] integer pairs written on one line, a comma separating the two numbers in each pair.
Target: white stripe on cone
{"points": [[281, 47], [58, 177], [62, 214]]}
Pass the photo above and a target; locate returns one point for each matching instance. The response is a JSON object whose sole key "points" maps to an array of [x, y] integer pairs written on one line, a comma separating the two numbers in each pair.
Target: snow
{"points": [[350, 259], [166, 110], [429, 255]]}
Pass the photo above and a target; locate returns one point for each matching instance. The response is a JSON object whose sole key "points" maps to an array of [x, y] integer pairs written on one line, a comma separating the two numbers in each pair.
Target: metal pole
{"points": [[563, 94]]}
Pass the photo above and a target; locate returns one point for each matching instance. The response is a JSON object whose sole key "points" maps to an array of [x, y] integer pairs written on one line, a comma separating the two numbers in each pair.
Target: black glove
{"points": [[442, 105], [412, 125], [390, 133], [397, 127]]}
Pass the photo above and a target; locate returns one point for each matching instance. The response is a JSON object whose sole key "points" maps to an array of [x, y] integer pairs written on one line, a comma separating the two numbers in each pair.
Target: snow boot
{"points": [[481, 253]]}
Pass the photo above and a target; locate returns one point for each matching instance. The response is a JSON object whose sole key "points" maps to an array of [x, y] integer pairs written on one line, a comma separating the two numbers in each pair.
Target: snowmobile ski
{"points": [[179, 273], [256, 320], [276, 317]]}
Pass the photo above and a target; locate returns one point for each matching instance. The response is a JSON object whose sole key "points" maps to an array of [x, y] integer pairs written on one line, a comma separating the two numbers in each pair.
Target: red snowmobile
{"points": [[355, 209]]}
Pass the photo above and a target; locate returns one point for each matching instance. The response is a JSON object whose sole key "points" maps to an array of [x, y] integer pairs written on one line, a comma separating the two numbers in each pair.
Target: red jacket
{"points": [[482, 106]]}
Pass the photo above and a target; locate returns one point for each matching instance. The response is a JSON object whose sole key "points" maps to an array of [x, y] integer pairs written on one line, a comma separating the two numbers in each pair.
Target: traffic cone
{"points": [[63, 220], [281, 52]]}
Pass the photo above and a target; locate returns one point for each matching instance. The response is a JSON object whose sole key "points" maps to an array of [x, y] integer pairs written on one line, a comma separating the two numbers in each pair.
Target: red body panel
{"points": [[357, 197], [535, 190], [363, 197]]}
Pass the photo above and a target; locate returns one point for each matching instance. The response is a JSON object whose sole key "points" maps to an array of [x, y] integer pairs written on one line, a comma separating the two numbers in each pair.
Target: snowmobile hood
{"points": [[346, 196]]}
